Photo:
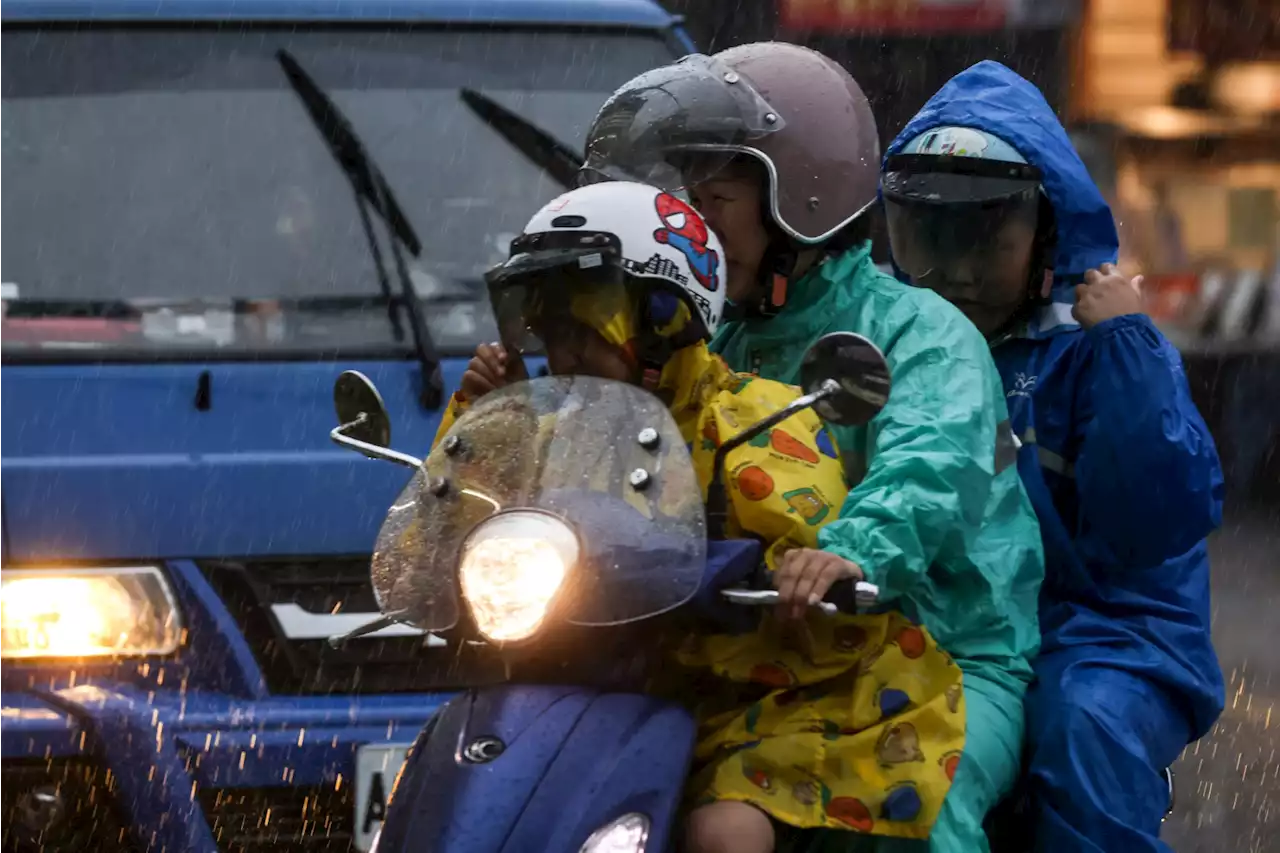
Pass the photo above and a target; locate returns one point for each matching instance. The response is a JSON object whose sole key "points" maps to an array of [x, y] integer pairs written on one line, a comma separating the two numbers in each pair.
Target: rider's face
{"points": [[990, 284], [732, 202], [576, 349]]}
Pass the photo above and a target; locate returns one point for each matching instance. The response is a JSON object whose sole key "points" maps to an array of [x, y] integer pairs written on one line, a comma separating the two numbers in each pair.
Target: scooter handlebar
{"points": [[848, 597]]}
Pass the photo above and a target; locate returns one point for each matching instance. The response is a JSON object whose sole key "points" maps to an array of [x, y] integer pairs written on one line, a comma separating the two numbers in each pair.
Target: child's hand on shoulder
{"points": [[490, 369], [1105, 294]]}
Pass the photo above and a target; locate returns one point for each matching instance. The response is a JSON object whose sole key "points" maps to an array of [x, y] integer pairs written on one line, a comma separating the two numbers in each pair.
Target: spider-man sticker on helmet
{"points": [[685, 231]]}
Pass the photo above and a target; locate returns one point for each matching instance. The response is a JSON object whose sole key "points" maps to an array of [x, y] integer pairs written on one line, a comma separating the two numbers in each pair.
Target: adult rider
{"points": [[777, 146], [989, 205]]}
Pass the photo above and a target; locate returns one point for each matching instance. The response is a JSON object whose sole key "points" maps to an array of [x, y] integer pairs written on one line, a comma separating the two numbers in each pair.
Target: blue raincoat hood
{"points": [[991, 97]]}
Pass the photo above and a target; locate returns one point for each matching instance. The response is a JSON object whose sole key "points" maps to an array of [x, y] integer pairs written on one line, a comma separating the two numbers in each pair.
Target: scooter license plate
{"points": [[376, 769]]}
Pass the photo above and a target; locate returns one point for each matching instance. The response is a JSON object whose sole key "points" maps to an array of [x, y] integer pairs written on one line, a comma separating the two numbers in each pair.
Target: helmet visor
{"points": [[960, 225], [565, 307], [676, 126], [563, 298], [972, 253]]}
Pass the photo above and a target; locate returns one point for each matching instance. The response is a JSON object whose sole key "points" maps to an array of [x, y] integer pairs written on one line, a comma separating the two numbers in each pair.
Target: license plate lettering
{"points": [[376, 769]]}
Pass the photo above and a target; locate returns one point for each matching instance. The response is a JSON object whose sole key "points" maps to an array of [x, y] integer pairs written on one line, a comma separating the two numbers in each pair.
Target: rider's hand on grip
{"points": [[490, 369], [805, 576]]}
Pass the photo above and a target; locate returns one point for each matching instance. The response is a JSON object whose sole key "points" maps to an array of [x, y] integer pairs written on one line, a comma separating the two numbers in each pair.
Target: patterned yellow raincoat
{"points": [[851, 722]]}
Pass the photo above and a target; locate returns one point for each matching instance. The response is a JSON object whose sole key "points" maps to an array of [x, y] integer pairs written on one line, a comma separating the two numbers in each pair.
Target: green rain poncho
{"points": [[937, 515]]}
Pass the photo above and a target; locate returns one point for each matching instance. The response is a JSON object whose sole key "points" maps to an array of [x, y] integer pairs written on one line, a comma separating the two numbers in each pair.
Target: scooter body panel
{"points": [[571, 761]]}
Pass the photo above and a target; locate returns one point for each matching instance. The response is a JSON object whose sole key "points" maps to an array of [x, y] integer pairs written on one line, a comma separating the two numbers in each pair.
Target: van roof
{"points": [[628, 13]]}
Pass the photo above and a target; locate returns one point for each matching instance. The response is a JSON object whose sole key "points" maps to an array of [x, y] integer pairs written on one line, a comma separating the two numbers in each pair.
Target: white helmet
{"points": [[629, 232]]}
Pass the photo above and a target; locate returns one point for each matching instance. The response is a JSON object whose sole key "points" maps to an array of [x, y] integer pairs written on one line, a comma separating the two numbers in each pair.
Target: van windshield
{"points": [[165, 188]]}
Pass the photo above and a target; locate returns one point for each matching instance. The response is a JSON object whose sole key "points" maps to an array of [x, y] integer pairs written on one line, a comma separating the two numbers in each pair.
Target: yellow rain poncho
{"points": [[847, 722]]}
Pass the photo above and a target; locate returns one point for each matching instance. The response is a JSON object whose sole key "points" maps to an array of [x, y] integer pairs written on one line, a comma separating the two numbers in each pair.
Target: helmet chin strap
{"points": [[1043, 255], [653, 351], [777, 266]]}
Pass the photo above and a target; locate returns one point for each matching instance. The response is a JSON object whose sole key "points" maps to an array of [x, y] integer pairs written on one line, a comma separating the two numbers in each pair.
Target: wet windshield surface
{"points": [[568, 446], [178, 165]]}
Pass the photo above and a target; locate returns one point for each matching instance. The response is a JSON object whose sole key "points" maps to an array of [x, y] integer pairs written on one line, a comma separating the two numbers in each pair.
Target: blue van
{"points": [[210, 209]]}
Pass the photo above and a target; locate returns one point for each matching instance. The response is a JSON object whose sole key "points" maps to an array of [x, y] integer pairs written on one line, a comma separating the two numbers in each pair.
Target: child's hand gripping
{"points": [[490, 369], [1105, 294]]}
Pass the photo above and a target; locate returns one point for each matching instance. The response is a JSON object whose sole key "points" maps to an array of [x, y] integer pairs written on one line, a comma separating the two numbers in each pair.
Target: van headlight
{"points": [[627, 834], [513, 564], [113, 612]]}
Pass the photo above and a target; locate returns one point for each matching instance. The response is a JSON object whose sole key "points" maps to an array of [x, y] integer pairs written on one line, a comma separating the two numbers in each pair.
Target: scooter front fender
{"points": [[522, 768]]}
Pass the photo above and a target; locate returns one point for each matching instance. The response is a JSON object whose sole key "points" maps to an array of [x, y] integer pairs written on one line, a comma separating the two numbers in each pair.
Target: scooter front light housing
{"points": [[513, 564], [627, 834]]}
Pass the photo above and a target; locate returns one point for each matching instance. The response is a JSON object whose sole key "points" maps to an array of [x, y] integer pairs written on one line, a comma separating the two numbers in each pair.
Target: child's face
{"points": [[576, 349], [584, 324], [988, 284]]}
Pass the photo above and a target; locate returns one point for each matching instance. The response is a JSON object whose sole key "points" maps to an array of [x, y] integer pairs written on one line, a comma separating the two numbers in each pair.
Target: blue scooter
{"points": [[560, 525]]}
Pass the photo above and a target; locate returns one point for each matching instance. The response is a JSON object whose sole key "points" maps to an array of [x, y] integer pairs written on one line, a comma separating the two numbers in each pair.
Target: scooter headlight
{"points": [[512, 567], [627, 834]]}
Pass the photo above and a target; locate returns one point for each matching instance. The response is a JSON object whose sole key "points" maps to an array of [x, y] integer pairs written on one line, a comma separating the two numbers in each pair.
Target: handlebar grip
{"points": [[852, 597]]}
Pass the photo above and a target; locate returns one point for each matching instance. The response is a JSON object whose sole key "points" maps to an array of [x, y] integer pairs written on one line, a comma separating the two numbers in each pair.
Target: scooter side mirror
{"points": [[361, 412], [854, 375], [363, 423]]}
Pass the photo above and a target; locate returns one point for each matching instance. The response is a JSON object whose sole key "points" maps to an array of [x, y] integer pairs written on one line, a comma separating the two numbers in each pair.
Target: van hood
{"points": [[118, 462]]}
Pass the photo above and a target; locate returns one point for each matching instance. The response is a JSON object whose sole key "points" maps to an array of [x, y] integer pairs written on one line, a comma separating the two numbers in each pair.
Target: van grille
{"points": [[60, 806], [366, 665], [313, 819]]}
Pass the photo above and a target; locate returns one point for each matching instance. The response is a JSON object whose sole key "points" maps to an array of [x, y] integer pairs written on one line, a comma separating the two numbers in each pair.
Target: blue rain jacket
{"points": [[1120, 467]]}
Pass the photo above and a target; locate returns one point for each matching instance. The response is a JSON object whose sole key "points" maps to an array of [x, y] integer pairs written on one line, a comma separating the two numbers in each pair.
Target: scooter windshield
{"points": [[605, 457]]}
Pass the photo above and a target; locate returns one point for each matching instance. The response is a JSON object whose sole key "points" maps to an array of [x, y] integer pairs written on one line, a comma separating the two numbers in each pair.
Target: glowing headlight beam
{"points": [[513, 564], [87, 613]]}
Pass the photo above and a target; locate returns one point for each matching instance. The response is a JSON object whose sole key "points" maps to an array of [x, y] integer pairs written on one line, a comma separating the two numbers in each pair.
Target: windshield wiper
{"points": [[372, 189], [545, 151]]}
